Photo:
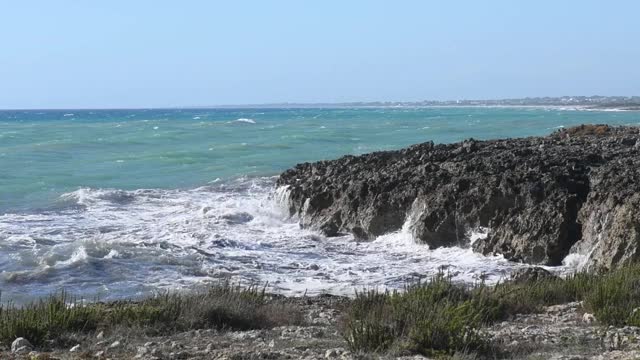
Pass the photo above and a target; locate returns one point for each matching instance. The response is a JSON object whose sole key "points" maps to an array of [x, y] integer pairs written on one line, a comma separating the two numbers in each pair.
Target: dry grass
{"points": [[584, 130]]}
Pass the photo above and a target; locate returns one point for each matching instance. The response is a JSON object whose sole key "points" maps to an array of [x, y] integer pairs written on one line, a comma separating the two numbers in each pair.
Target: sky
{"points": [[120, 54]]}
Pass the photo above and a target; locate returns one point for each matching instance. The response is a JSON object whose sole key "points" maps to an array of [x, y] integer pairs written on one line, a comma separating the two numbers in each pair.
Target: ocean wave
{"points": [[18, 278], [78, 257], [88, 196], [244, 120]]}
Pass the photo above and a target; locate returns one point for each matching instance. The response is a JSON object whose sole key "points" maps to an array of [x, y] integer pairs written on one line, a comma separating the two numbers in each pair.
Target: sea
{"points": [[113, 204]]}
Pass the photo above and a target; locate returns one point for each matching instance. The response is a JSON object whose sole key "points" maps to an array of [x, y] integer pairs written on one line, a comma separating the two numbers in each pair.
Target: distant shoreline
{"points": [[339, 106], [590, 103]]}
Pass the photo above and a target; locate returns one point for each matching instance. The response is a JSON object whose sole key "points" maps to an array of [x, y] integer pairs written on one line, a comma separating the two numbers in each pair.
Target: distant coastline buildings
{"points": [[587, 102]]}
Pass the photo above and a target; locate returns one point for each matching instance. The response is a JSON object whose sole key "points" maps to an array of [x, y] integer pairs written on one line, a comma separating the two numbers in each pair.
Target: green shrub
{"points": [[615, 298], [528, 297], [434, 318], [451, 328], [221, 307], [440, 317], [46, 318], [373, 330]]}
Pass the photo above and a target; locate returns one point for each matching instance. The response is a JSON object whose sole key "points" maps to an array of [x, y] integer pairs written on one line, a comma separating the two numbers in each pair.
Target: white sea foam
{"points": [[132, 242], [480, 233], [77, 257], [244, 120], [575, 261]]}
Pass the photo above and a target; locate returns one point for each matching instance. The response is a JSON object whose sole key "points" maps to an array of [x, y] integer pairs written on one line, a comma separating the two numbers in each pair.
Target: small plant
{"points": [[521, 298], [586, 129], [615, 298], [434, 318], [45, 318]]}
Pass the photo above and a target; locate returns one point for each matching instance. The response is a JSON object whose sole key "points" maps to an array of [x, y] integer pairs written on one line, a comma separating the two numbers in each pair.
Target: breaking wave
{"points": [[116, 243]]}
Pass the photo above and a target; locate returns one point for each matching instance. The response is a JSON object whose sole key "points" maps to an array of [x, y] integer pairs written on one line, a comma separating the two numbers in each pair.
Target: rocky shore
{"points": [[576, 191]]}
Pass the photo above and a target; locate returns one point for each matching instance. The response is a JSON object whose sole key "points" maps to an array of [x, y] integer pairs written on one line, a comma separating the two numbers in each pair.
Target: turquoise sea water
{"points": [[122, 202], [44, 154]]}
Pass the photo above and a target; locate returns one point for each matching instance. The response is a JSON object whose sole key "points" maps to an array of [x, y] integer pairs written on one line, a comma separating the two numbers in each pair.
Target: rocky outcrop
{"points": [[576, 190], [531, 274]]}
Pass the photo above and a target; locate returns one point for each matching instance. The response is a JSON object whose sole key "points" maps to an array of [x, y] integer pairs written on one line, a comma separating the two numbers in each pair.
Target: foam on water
{"points": [[244, 120], [115, 243]]}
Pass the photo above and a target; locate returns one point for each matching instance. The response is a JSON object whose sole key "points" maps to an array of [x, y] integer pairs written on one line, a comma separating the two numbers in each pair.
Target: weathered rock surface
{"points": [[531, 274], [21, 346], [574, 191], [560, 332]]}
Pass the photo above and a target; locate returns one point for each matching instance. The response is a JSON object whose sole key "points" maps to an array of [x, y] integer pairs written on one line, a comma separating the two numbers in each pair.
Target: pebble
{"points": [[142, 351], [588, 318], [179, 355], [21, 346], [332, 353]]}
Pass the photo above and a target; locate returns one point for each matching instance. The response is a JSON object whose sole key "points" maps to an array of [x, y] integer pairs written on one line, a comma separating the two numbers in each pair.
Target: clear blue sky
{"points": [[137, 53]]}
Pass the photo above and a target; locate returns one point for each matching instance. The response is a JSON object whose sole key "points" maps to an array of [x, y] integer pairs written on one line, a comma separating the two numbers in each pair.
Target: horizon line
{"points": [[372, 103]]}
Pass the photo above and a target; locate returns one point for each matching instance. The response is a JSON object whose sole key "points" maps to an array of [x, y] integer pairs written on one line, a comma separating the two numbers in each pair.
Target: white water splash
{"points": [[480, 233], [116, 243], [244, 120]]}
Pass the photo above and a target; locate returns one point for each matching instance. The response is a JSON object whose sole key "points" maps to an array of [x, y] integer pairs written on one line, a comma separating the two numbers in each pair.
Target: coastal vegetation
{"points": [[440, 317], [48, 321]]}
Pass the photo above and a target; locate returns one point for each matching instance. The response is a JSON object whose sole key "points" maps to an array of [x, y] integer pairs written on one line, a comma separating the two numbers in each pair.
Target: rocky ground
{"points": [[317, 339], [565, 332], [559, 332]]}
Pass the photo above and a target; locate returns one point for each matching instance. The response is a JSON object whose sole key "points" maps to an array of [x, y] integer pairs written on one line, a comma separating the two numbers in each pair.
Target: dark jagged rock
{"points": [[576, 190], [531, 274]]}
